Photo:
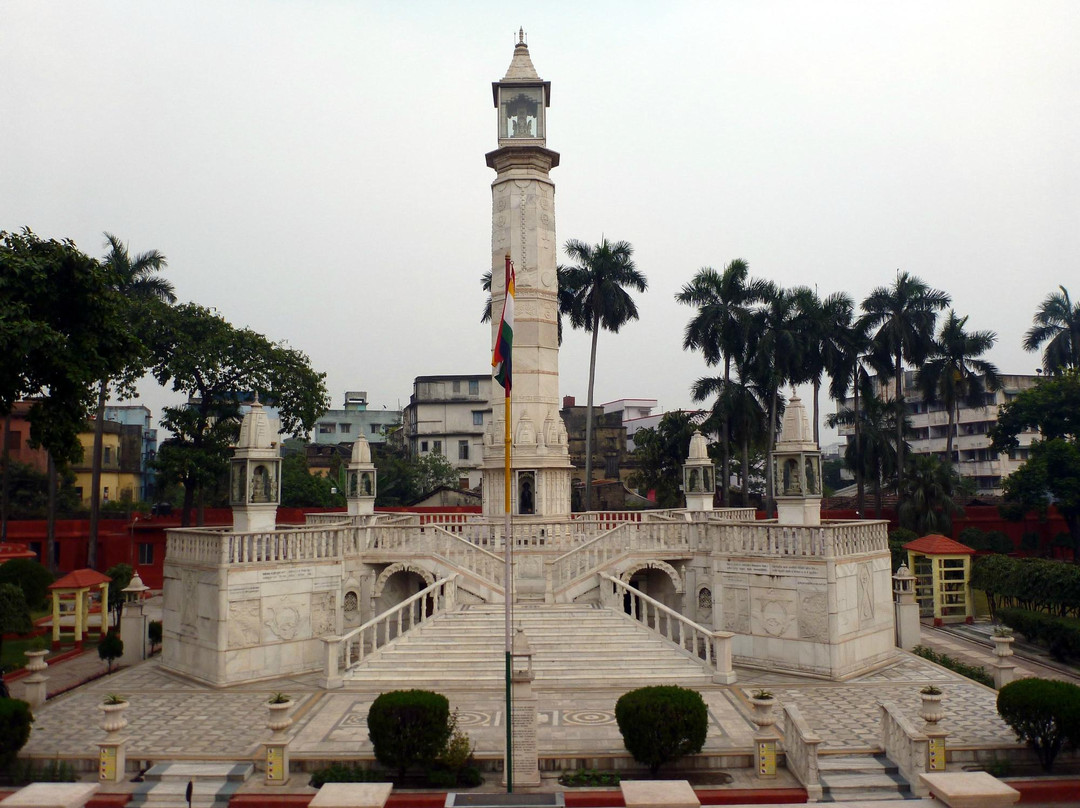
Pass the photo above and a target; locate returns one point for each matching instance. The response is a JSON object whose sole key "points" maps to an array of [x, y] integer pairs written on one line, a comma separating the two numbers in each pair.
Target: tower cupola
{"points": [[522, 99], [796, 469]]}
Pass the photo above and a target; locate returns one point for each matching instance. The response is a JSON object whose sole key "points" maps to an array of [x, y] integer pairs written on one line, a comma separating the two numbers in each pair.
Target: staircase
{"points": [[213, 784], [861, 777], [573, 647]]}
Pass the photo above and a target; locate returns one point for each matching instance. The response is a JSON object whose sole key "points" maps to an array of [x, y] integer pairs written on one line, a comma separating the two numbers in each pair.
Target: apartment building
{"points": [[446, 415]]}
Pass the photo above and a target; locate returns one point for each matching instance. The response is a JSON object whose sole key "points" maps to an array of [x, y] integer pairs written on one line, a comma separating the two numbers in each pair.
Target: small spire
{"points": [[521, 36]]}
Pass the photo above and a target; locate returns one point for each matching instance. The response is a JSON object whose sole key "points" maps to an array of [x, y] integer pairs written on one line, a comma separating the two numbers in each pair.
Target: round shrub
{"points": [[31, 577], [15, 721], [662, 724], [111, 647], [408, 727], [1043, 713]]}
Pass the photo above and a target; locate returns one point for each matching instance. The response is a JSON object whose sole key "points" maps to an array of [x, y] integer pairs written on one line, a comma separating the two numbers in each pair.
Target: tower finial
{"points": [[521, 35]]}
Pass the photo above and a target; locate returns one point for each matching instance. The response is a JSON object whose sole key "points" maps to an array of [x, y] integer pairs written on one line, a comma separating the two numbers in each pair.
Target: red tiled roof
{"points": [[936, 544], [9, 550], [80, 579]]}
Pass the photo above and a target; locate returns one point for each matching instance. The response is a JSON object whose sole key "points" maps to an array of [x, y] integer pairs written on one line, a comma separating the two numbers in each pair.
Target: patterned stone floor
{"points": [[173, 717]]}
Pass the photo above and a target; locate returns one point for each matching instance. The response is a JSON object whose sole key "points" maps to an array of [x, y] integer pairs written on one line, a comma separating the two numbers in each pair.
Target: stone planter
{"points": [[35, 661], [113, 716], [1002, 646], [931, 710], [763, 711], [279, 719]]}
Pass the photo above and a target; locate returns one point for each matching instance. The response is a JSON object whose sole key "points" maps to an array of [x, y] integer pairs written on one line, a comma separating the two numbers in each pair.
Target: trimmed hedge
{"points": [[1060, 635], [1029, 583], [344, 773], [409, 727], [975, 672], [15, 721], [1043, 713], [661, 724]]}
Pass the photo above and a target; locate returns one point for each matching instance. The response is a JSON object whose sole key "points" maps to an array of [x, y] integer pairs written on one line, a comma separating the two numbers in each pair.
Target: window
{"points": [[463, 482], [146, 554], [477, 417], [106, 455], [105, 494], [457, 387], [704, 598], [327, 429], [611, 466], [344, 428], [351, 607], [463, 450], [436, 446], [423, 446], [375, 429], [474, 388]]}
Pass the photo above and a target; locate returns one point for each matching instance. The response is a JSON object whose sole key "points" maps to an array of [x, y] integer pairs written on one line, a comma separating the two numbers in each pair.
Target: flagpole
{"points": [[508, 589]]}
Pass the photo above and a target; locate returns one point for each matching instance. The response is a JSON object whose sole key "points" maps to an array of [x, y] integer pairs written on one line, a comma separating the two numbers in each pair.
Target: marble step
{"points": [[212, 784], [856, 764], [861, 777]]}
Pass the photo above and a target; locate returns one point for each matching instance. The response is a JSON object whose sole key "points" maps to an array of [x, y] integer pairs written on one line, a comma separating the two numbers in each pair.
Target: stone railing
{"points": [[223, 547], [590, 557], [712, 647], [322, 519], [732, 515], [349, 650], [830, 540], [801, 752], [905, 746], [432, 539]]}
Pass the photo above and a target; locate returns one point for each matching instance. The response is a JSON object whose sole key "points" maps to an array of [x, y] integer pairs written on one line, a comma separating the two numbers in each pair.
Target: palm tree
{"points": [[597, 285], [137, 280], [779, 358], [876, 457], [929, 502], [823, 324], [718, 330], [742, 405], [955, 374], [1056, 323], [904, 316]]}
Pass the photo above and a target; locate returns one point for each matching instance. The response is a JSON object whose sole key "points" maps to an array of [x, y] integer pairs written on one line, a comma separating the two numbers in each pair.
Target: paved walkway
{"points": [[972, 644], [174, 718]]}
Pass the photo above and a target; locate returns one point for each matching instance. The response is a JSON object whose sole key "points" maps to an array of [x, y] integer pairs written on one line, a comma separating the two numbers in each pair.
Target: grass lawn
{"points": [[11, 655]]}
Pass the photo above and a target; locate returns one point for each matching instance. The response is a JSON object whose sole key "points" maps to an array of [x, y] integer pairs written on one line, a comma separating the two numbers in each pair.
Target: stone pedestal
{"points": [[133, 633], [658, 794], [908, 627], [525, 765], [935, 750], [112, 759], [352, 795], [970, 790], [766, 736], [277, 762], [34, 692], [51, 795], [1004, 668]]}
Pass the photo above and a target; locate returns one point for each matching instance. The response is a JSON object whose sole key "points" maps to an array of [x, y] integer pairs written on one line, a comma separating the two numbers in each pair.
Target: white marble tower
{"points": [[523, 227]]}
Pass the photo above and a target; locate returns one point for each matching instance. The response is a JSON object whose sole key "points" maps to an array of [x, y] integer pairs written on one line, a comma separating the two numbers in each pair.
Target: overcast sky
{"points": [[315, 170]]}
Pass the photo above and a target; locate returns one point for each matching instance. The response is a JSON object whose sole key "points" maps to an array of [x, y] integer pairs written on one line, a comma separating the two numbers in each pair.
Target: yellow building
{"points": [[121, 474]]}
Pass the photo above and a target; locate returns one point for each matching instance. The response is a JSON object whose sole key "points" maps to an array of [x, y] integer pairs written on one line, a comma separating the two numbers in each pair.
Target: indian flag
{"points": [[504, 342]]}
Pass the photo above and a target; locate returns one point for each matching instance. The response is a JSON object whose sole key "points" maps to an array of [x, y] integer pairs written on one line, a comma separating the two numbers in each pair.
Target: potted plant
{"points": [[279, 704], [763, 702], [931, 710], [35, 655], [113, 707], [1003, 640]]}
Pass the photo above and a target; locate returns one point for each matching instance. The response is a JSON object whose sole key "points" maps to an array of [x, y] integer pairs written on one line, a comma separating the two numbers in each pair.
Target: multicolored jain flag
{"points": [[504, 342]]}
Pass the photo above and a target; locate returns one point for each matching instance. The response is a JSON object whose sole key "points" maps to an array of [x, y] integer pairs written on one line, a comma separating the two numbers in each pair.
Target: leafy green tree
{"points": [[824, 325], [29, 492], [928, 501], [719, 331], [1057, 326], [875, 457], [302, 489], [121, 575], [902, 318], [662, 724], [433, 471], [63, 328], [659, 454], [742, 403], [31, 577], [137, 280], [216, 364], [1051, 474], [14, 614], [954, 373], [111, 648], [598, 298]]}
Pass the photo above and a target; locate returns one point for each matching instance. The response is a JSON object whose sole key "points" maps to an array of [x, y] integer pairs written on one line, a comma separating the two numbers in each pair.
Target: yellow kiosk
{"points": [[942, 570], [76, 588]]}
